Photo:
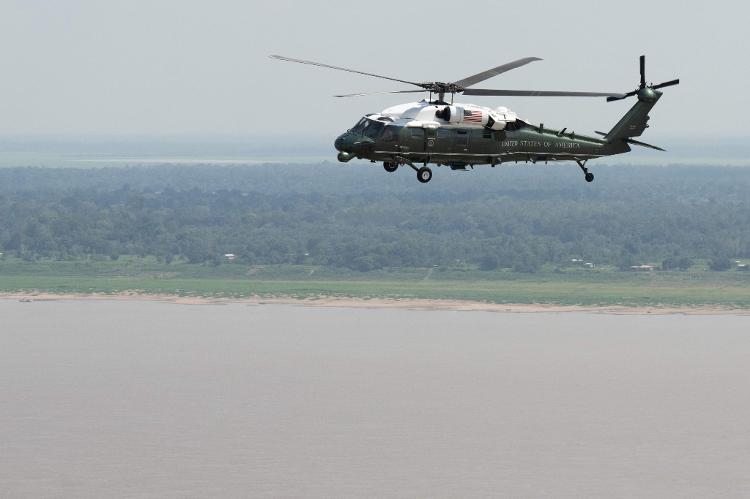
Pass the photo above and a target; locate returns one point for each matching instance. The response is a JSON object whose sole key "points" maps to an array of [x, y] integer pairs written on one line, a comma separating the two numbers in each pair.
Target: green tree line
{"points": [[360, 217]]}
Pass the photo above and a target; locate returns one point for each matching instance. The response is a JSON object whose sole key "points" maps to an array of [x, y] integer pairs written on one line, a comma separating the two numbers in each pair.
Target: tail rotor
{"points": [[643, 83]]}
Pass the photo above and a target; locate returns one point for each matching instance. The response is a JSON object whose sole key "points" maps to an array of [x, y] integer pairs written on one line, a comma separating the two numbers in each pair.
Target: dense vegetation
{"points": [[361, 218]]}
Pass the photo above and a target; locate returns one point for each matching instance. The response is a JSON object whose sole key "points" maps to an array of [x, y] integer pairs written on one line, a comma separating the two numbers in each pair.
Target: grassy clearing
{"points": [[570, 287]]}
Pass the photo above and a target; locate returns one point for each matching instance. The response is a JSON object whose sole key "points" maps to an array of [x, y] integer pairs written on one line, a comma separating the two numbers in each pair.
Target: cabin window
{"points": [[390, 133], [462, 139], [486, 134], [417, 133], [443, 133]]}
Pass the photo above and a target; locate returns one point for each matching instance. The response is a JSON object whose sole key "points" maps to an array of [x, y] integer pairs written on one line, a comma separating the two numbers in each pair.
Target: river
{"points": [[137, 398]]}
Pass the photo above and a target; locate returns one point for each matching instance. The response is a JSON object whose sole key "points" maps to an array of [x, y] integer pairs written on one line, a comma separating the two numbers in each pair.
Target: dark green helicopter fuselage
{"points": [[462, 147]]}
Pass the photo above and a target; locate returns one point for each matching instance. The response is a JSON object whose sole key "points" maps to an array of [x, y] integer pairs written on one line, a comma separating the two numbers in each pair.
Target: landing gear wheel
{"points": [[424, 174], [390, 167], [586, 173]]}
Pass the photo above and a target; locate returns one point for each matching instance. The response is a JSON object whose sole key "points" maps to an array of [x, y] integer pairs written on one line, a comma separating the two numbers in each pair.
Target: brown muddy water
{"points": [[149, 399]]}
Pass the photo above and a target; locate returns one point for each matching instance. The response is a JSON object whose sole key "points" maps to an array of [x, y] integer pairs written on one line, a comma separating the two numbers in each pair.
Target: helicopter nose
{"points": [[342, 142], [339, 143], [353, 144]]}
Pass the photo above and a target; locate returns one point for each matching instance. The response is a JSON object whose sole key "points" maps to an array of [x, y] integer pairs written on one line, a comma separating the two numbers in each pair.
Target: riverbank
{"points": [[569, 290], [381, 303]]}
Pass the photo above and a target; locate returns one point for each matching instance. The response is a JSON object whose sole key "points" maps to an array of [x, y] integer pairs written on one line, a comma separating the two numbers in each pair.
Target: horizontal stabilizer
{"points": [[642, 144], [633, 141]]}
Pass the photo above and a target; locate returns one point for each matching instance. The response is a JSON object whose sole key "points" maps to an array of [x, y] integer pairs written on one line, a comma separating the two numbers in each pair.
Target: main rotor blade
{"points": [[539, 93], [387, 92], [484, 75], [313, 63], [667, 84]]}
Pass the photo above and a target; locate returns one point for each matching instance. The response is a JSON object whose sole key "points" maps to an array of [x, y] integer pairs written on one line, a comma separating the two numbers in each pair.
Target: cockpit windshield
{"points": [[359, 126], [368, 128]]}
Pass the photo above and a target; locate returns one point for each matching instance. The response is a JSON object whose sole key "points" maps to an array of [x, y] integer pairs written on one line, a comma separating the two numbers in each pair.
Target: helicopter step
{"points": [[586, 173], [390, 166]]}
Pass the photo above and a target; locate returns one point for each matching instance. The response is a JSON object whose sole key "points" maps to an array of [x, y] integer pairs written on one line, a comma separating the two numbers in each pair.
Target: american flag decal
{"points": [[473, 116]]}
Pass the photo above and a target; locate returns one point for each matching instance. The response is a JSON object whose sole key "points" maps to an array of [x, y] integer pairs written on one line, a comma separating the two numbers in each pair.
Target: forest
{"points": [[359, 217]]}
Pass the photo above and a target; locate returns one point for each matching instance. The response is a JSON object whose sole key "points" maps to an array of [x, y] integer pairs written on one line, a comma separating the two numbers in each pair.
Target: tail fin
{"points": [[636, 119]]}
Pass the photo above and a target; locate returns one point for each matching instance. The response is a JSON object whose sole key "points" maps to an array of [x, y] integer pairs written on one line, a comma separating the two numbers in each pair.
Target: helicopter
{"points": [[461, 136]]}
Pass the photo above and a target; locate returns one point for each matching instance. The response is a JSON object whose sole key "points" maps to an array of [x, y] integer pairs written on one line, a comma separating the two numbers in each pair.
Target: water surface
{"points": [[148, 399]]}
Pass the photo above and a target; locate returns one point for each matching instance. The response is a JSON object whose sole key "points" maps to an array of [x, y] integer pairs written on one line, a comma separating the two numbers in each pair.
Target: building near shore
{"points": [[643, 267]]}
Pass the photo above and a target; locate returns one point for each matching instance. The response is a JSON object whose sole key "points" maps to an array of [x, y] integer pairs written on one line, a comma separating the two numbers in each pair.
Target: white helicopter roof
{"points": [[423, 113]]}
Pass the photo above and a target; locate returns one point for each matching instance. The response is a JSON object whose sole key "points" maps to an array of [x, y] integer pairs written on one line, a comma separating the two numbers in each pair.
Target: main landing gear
{"points": [[586, 173], [424, 174]]}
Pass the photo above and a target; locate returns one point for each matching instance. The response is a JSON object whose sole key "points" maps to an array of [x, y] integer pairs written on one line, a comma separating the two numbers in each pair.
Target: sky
{"points": [[201, 68]]}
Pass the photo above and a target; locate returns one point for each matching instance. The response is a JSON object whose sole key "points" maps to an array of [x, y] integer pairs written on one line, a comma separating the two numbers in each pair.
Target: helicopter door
{"points": [[461, 141], [418, 139]]}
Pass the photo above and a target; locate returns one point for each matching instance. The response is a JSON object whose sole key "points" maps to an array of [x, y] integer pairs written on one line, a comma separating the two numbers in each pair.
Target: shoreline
{"points": [[384, 303]]}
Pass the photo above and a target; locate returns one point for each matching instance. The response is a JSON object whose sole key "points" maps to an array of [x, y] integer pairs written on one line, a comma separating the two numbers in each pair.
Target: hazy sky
{"points": [[201, 68]]}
